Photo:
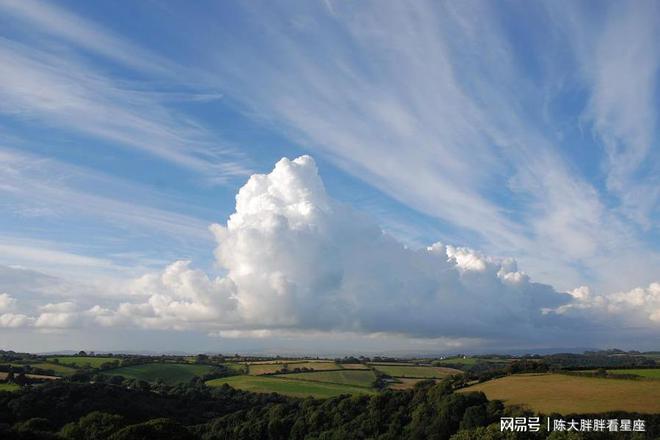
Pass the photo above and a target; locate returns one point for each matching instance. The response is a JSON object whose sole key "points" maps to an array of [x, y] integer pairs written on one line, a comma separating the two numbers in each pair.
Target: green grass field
{"points": [[565, 394], [652, 373], [415, 372], [360, 378], [235, 367], [169, 373], [82, 361], [288, 387], [9, 387]]}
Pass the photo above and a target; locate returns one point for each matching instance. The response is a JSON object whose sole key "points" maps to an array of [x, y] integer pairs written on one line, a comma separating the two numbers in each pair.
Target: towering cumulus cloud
{"points": [[297, 260], [300, 259]]}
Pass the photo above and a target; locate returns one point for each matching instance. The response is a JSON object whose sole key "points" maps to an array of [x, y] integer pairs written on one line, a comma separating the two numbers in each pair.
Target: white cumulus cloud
{"points": [[296, 261], [639, 306]]}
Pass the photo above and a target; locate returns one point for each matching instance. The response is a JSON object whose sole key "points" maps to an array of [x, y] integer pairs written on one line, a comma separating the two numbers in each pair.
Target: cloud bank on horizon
{"points": [[295, 260]]}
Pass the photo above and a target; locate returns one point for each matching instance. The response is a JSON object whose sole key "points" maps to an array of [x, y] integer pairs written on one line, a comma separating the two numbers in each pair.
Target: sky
{"points": [[329, 177]]}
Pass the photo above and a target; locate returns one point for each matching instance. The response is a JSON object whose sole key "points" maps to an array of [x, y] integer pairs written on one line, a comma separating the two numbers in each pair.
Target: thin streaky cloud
{"points": [[48, 18], [63, 189]]}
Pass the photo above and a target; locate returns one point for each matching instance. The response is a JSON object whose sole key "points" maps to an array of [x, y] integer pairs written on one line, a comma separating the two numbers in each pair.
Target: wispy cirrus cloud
{"points": [[439, 106], [62, 24], [82, 224], [57, 81], [620, 61]]}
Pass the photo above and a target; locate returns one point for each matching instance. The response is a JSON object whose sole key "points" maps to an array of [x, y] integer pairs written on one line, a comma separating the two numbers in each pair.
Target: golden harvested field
{"points": [[546, 393]]}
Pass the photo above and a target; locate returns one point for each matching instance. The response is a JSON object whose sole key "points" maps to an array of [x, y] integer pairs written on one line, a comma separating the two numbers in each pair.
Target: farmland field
{"points": [[361, 378], [404, 384], [82, 361], [257, 369], [282, 385], [62, 370], [169, 373], [235, 367], [414, 371], [317, 366], [8, 387], [459, 360], [405, 364], [653, 373], [565, 394], [289, 361], [354, 366]]}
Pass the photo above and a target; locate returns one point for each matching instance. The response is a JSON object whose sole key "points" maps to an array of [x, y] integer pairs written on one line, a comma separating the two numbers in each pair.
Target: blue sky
{"points": [[517, 130]]}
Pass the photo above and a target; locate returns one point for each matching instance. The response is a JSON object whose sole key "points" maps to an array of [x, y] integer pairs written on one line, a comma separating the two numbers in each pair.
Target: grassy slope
{"points": [[295, 388], [415, 372], [360, 378], [169, 373], [573, 394], [82, 361]]}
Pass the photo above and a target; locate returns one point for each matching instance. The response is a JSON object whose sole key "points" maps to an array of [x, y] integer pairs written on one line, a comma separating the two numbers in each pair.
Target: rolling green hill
{"points": [[169, 373]]}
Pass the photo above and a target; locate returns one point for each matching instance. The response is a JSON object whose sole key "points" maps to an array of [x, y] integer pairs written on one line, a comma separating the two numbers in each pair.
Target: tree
{"points": [[474, 417], [20, 379], [156, 429], [95, 425]]}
